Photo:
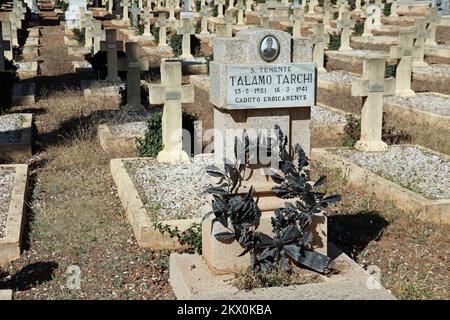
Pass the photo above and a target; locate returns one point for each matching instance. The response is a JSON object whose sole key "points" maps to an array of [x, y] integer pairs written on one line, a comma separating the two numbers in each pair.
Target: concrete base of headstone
{"points": [[24, 94], [398, 21], [390, 30], [116, 144], [377, 43], [413, 9], [351, 61], [78, 51], [23, 148], [32, 42], [30, 53], [435, 78], [6, 294], [101, 89], [27, 70], [155, 54], [195, 66], [435, 211], [120, 23], [439, 54], [191, 279], [10, 243], [83, 67], [443, 32]]}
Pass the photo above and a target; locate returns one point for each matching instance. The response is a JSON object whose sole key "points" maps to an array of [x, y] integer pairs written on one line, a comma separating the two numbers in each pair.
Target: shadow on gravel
{"points": [[29, 276], [353, 232]]}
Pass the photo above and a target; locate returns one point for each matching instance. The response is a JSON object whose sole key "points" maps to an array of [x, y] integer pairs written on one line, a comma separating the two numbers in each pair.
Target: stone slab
{"points": [[111, 143], [431, 81], [27, 70], [351, 61], [6, 294], [10, 244], [436, 211], [17, 151], [191, 279]]}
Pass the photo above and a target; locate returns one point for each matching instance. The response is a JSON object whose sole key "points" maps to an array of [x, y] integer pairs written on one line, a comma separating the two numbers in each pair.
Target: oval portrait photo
{"points": [[269, 48]]}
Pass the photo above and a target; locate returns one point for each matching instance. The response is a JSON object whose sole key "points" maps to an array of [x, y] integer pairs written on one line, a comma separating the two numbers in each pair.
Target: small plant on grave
{"points": [[176, 44], [239, 213], [79, 35], [290, 30], [335, 42], [141, 29], [191, 238], [352, 131], [151, 144], [390, 70], [391, 135], [387, 9], [209, 59], [359, 28], [155, 32], [335, 15]]}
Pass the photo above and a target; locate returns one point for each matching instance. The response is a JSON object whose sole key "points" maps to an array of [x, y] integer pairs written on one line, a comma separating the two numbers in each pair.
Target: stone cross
{"points": [[220, 4], [320, 39], [162, 24], [374, 12], [357, 9], [110, 6], [98, 34], [433, 19], [186, 29], [229, 21], [7, 49], [343, 6], [373, 87], [221, 31], [135, 12], [326, 15], [419, 43], [205, 13], [240, 16], [263, 15], [404, 53], [230, 5], [248, 6], [14, 23], [148, 15], [88, 27], [111, 46], [394, 9], [171, 4], [5, 45], [125, 6], [298, 20], [311, 6], [346, 25], [133, 77], [172, 94]]}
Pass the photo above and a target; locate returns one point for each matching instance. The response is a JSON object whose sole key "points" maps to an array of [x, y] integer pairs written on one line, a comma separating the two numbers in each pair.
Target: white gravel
{"points": [[6, 185], [10, 128], [428, 102], [325, 115], [435, 68], [337, 76], [171, 191], [130, 129], [420, 171]]}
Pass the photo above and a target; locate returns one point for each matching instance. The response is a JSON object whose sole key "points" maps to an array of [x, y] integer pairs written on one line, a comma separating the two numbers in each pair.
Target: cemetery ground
{"points": [[75, 216]]}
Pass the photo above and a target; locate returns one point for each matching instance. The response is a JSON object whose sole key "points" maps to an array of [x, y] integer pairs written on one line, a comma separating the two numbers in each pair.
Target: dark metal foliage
{"points": [[239, 213]]}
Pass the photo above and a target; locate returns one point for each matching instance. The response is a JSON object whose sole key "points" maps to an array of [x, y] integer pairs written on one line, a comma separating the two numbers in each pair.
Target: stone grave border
{"points": [[328, 130], [430, 82], [6, 294], [146, 235], [111, 143], [436, 211], [420, 117], [10, 243], [24, 147]]}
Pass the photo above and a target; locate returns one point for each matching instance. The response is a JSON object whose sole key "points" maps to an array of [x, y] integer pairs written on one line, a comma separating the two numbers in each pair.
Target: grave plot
{"points": [[443, 30], [327, 126], [433, 78], [426, 109], [351, 61], [13, 189], [6, 294], [377, 43], [27, 70], [170, 194], [416, 179], [437, 54], [16, 135]]}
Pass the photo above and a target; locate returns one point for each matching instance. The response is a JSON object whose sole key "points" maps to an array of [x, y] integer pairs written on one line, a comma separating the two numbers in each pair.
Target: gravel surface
{"points": [[129, 129], [10, 128], [425, 101], [337, 76], [327, 116], [175, 191], [409, 166], [6, 185], [436, 68]]}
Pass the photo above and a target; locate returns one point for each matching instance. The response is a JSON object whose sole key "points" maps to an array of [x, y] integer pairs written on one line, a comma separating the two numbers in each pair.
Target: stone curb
{"points": [[10, 244], [436, 211], [111, 143], [23, 148], [146, 235], [6, 294]]}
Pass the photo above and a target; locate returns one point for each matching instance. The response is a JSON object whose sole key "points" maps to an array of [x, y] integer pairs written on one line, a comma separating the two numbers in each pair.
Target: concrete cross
{"points": [[186, 29], [357, 9], [161, 23], [205, 13], [230, 5], [373, 86], [171, 4], [298, 19], [6, 36], [394, 8], [433, 19], [125, 6], [229, 21], [240, 16], [248, 6], [311, 6], [419, 43], [135, 12], [404, 53], [148, 15], [263, 15], [220, 4], [172, 94], [110, 6], [326, 15], [374, 12], [111, 46], [14, 23], [98, 34], [88, 28], [320, 39], [346, 25], [4, 46], [133, 77], [343, 6]]}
